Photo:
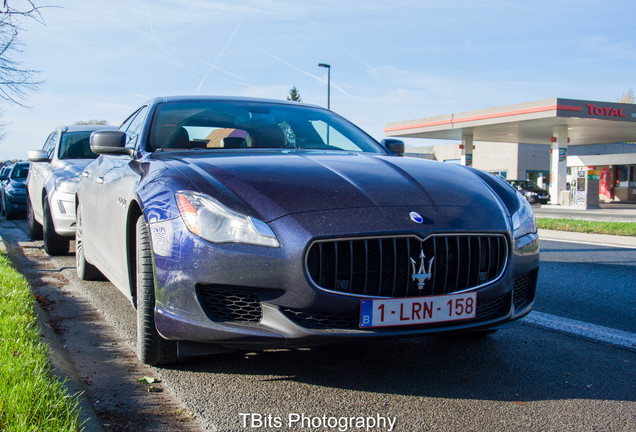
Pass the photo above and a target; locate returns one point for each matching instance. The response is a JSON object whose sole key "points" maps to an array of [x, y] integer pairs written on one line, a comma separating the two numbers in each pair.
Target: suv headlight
{"points": [[66, 184], [209, 219], [523, 220]]}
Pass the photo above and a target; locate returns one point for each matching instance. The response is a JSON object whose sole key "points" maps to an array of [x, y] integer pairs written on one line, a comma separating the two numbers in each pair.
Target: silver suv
{"points": [[51, 185]]}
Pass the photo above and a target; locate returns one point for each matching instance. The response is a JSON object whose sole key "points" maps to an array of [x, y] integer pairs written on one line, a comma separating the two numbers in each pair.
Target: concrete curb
{"points": [[600, 239]]}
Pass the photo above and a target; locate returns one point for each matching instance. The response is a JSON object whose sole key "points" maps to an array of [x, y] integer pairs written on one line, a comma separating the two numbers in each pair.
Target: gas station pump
{"points": [[585, 187]]}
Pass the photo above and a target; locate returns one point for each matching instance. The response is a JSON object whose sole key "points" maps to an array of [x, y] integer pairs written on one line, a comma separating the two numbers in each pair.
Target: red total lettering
{"points": [[604, 111]]}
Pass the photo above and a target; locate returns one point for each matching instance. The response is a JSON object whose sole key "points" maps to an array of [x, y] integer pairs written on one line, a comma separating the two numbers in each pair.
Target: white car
{"points": [[51, 185]]}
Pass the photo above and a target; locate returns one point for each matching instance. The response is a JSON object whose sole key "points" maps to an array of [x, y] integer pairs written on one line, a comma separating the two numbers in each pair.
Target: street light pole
{"points": [[328, 66]]}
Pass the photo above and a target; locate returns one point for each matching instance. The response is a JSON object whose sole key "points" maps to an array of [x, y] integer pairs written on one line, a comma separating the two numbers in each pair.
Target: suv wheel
{"points": [[54, 244], [35, 229], [152, 349]]}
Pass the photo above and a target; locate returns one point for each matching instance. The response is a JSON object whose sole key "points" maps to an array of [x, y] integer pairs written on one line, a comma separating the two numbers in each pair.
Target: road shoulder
{"points": [[577, 237]]}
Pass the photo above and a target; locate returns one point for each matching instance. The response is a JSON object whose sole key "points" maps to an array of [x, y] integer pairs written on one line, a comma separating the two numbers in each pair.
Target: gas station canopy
{"points": [[556, 122], [587, 122]]}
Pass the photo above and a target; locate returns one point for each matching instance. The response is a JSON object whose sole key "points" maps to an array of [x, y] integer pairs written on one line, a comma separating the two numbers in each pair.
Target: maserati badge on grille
{"points": [[422, 274], [416, 217]]}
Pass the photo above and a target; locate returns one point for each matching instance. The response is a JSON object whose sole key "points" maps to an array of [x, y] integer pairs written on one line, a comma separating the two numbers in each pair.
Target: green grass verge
{"points": [[31, 398], [585, 226]]}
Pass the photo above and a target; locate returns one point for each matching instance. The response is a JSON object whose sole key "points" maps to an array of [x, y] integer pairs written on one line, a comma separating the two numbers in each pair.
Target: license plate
{"points": [[417, 310]]}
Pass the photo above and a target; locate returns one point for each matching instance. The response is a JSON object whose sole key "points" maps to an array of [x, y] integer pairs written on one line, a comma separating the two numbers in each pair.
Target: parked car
{"points": [[4, 179], [51, 185], [13, 192], [530, 190], [250, 224]]}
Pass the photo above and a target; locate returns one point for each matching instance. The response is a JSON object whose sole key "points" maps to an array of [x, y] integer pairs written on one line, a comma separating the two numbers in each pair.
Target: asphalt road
{"points": [[524, 378]]}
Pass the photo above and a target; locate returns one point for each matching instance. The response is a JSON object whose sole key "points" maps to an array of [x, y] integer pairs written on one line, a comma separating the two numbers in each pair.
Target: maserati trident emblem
{"points": [[416, 217], [422, 274]]}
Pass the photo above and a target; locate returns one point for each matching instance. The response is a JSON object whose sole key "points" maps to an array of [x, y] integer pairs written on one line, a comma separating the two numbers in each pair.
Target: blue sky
{"points": [[391, 60]]}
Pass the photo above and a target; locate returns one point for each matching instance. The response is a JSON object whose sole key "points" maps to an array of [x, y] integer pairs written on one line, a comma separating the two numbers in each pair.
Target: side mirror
{"points": [[37, 156], [109, 142], [3, 177], [395, 146]]}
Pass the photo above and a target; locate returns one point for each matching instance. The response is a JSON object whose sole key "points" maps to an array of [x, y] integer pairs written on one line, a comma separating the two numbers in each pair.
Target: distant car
{"points": [[51, 185], [249, 224], [13, 194], [4, 179], [530, 190]]}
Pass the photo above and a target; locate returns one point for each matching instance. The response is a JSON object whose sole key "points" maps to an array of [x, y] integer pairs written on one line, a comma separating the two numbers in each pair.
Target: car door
{"points": [[38, 173], [114, 178]]}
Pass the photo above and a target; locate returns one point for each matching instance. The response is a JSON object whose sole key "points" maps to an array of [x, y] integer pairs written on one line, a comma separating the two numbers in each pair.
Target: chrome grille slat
{"points": [[382, 267]]}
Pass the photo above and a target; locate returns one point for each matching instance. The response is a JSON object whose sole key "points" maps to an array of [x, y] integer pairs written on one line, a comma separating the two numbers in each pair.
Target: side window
{"points": [[133, 127], [49, 145]]}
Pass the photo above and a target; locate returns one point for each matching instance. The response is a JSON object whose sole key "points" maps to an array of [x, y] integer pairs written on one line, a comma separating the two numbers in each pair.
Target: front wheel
{"points": [[5, 208], [152, 349], [85, 270], [35, 229], [54, 244]]}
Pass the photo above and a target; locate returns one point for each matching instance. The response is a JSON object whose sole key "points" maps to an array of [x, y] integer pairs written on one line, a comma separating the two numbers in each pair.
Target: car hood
{"points": [[70, 167], [17, 183], [276, 184]]}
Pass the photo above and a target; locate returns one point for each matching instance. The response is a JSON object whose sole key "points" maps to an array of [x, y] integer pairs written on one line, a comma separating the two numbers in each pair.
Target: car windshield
{"points": [[76, 145], [250, 125], [20, 172]]}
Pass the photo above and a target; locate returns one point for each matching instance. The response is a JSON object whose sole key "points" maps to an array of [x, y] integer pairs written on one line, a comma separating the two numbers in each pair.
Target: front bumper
{"points": [[248, 297], [62, 205], [15, 203]]}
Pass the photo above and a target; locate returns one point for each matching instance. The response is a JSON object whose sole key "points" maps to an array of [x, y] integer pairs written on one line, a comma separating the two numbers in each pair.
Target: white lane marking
{"points": [[594, 332], [590, 243]]}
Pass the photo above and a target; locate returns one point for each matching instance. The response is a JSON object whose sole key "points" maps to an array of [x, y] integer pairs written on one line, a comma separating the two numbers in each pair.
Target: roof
{"points": [[588, 122], [77, 128]]}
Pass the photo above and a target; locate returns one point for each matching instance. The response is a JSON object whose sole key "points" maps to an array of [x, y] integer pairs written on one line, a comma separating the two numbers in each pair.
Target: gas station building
{"points": [[582, 151]]}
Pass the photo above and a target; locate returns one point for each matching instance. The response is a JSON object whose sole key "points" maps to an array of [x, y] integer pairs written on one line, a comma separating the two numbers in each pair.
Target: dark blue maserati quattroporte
{"points": [[245, 224]]}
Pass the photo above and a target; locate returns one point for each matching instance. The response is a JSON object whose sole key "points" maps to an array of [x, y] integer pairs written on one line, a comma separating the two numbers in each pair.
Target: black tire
{"points": [[5, 210], [85, 270], [2, 212], [35, 229], [152, 349], [54, 244]]}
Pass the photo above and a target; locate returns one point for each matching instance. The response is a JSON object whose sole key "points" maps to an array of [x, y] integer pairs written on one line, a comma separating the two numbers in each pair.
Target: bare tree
{"points": [[91, 122], [16, 81]]}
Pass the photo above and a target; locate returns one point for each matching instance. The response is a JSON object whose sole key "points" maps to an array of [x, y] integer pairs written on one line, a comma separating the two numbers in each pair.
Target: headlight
{"points": [[523, 220], [530, 193], [209, 219], [66, 184]]}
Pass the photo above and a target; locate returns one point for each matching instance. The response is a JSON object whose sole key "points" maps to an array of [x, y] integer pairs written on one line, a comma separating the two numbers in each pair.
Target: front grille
{"points": [[385, 267], [224, 304], [319, 320], [524, 288]]}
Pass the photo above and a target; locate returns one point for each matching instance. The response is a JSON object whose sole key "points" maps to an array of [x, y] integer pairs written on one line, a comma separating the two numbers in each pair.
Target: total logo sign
{"points": [[604, 111]]}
